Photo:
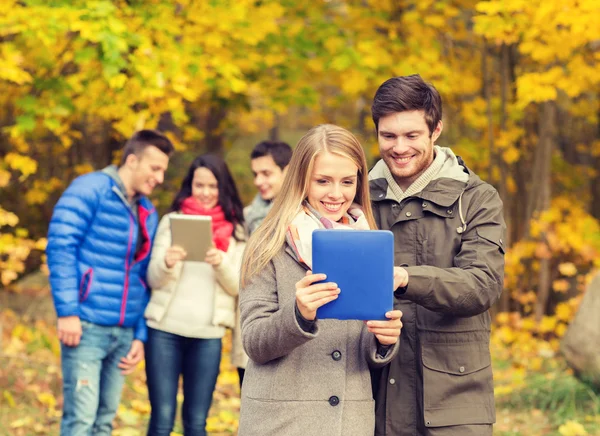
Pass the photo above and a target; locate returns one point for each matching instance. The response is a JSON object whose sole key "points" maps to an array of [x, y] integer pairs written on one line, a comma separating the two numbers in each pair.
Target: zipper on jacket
{"points": [[129, 263], [127, 269], [86, 282]]}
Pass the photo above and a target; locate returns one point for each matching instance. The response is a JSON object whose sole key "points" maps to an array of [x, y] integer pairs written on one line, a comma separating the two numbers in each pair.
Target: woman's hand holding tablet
{"points": [[311, 296], [173, 255], [387, 332]]}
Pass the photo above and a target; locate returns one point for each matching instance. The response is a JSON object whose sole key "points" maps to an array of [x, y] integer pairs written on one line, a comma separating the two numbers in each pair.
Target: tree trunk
{"points": [[487, 95], [541, 201], [580, 343], [504, 170], [274, 131], [215, 135]]}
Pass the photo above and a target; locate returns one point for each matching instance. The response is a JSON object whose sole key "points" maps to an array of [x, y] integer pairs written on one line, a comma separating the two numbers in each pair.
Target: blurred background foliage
{"points": [[519, 79]]}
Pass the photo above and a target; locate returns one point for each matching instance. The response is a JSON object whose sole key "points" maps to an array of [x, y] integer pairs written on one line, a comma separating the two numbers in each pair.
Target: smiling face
{"points": [[406, 145], [332, 185], [268, 177], [205, 187], [147, 170]]}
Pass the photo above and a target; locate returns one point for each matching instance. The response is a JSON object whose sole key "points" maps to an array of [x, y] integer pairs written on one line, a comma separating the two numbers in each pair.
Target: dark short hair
{"points": [[146, 138], [407, 93], [229, 198], [280, 151]]}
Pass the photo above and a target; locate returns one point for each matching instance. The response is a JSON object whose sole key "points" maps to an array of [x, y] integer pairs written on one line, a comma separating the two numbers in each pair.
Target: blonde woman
{"points": [[308, 376]]}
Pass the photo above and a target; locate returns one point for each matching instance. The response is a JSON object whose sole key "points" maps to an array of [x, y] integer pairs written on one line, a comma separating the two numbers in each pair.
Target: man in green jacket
{"points": [[448, 230]]}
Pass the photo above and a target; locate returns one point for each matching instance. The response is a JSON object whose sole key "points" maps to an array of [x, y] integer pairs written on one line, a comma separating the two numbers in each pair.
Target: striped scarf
{"points": [[299, 233]]}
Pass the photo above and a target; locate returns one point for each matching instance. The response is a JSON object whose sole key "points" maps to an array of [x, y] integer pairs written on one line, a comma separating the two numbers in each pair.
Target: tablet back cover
{"points": [[193, 233], [361, 262]]}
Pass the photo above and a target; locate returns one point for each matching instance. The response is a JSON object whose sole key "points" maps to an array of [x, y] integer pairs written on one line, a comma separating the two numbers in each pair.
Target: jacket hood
{"points": [[113, 172]]}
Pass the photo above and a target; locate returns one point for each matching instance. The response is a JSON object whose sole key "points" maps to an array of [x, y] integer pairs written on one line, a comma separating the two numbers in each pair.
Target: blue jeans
{"points": [[167, 357], [92, 382]]}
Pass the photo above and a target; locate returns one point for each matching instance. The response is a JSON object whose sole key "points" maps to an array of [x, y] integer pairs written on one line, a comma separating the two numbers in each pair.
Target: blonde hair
{"points": [[268, 239]]}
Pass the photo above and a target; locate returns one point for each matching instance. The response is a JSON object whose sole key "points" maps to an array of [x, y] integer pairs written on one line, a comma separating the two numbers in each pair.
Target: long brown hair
{"points": [[268, 239]]}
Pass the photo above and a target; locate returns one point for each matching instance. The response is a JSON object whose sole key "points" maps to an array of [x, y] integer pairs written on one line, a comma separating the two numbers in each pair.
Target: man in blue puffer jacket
{"points": [[98, 251]]}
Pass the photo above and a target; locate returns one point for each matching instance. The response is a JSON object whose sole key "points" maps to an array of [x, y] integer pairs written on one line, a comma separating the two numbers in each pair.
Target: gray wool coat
{"points": [[300, 383]]}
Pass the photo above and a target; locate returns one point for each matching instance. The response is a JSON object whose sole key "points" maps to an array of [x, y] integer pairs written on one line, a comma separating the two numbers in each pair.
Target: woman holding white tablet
{"points": [[192, 302], [308, 376]]}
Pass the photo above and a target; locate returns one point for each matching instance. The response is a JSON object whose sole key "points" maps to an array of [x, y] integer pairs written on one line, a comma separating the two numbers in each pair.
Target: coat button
{"points": [[461, 369], [336, 355], [424, 204], [450, 211], [392, 381], [408, 214], [334, 401]]}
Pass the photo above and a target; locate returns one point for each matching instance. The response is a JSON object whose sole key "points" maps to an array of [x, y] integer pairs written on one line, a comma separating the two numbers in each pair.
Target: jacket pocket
{"points": [[85, 284], [493, 234], [457, 384]]}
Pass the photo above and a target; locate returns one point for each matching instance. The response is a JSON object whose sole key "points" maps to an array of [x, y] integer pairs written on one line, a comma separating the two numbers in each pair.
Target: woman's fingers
{"points": [[310, 298], [385, 324], [387, 332], [309, 279], [314, 305], [317, 288]]}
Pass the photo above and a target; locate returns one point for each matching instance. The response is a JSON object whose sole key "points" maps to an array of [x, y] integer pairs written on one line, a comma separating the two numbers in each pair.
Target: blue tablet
{"points": [[361, 262]]}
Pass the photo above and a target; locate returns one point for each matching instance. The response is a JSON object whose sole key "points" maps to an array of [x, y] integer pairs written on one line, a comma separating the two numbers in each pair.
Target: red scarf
{"points": [[221, 228]]}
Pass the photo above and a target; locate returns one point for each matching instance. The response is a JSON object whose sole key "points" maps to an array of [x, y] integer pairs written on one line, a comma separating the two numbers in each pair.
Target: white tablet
{"points": [[193, 233]]}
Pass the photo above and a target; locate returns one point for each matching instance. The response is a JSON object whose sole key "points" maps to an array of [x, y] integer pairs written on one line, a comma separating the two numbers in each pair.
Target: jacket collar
{"points": [[444, 189]]}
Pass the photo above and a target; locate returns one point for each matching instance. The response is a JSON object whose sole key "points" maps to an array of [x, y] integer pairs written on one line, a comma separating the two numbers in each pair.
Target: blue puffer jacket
{"points": [[94, 270]]}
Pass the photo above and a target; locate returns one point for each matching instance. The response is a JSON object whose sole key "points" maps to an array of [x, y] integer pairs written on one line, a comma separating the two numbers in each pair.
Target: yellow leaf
{"points": [[572, 428], [40, 244], [502, 318], [564, 312], [560, 330], [511, 155], [8, 218], [9, 398], [47, 399], [560, 286], [4, 178], [535, 364], [547, 324], [127, 431], [21, 422], [24, 164], [141, 406], [83, 169], [567, 269], [502, 390]]}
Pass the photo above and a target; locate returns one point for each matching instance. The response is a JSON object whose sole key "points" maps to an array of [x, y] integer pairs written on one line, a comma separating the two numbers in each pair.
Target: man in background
{"points": [[98, 251], [269, 161]]}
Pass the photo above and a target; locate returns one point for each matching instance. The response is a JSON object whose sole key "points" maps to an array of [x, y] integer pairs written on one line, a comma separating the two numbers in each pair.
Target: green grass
{"points": [[550, 400]]}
